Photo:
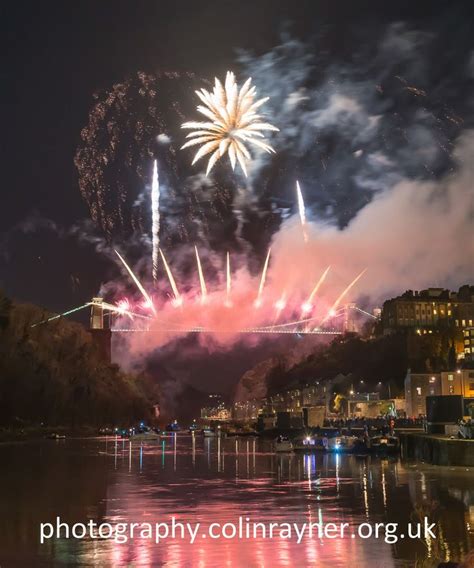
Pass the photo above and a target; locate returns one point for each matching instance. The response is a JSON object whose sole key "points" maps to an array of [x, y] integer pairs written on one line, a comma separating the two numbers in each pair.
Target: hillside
{"points": [[52, 374]]}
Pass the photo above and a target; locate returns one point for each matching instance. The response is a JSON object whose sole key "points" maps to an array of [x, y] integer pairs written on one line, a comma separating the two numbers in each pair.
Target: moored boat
{"points": [[384, 444], [343, 444], [311, 444], [283, 444]]}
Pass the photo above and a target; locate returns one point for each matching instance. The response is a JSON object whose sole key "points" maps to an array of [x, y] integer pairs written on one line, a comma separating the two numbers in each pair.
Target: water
{"points": [[209, 480]]}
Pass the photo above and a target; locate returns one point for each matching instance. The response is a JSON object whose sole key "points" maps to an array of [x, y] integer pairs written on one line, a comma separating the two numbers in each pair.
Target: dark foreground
{"points": [[208, 480]]}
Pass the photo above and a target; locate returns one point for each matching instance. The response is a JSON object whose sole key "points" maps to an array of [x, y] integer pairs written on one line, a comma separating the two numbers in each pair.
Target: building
{"points": [[216, 409], [246, 411], [429, 309], [417, 387], [468, 343], [458, 382]]}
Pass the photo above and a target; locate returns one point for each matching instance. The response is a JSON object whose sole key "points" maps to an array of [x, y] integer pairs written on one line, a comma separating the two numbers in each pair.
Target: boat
{"points": [[55, 436], [311, 444], [173, 426], [283, 444], [149, 435], [141, 435], [209, 433], [241, 432], [343, 444], [384, 444]]}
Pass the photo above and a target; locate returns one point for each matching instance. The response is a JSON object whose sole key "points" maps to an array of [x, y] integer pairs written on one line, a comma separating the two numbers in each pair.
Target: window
{"points": [[471, 386], [450, 377], [418, 391], [463, 323]]}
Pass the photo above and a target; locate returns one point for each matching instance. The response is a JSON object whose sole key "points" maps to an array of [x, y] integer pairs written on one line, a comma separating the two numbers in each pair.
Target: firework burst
{"points": [[232, 124]]}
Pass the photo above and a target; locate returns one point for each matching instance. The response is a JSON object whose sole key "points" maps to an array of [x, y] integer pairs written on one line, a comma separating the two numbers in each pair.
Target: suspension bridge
{"points": [[340, 321]]}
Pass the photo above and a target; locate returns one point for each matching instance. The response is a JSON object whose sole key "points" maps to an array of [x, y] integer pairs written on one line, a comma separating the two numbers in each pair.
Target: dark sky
{"points": [[56, 54]]}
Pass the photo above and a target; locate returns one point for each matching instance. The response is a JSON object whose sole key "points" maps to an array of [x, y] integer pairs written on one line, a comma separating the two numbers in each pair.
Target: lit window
{"points": [[463, 323], [418, 391], [450, 377]]}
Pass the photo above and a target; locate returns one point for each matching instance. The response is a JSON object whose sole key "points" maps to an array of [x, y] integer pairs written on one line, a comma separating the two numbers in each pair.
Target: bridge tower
{"points": [[349, 323], [101, 336], [97, 314]]}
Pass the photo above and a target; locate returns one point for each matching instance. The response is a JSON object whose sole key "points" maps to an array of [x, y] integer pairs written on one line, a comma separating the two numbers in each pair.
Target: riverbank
{"points": [[15, 434], [437, 450]]}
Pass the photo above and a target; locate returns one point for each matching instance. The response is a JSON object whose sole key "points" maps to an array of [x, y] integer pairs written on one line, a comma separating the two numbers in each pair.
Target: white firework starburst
{"points": [[232, 124]]}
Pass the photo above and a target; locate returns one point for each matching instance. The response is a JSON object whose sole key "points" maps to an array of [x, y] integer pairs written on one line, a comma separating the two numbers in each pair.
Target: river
{"points": [[202, 480]]}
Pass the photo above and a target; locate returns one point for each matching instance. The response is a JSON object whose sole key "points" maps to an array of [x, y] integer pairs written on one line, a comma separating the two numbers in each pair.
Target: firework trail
{"points": [[155, 223], [233, 123], [123, 305], [280, 304], [228, 281], [138, 283], [201, 277], [121, 310], [177, 296], [302, 211], [334, 307], [258, 301], [308, 305]]}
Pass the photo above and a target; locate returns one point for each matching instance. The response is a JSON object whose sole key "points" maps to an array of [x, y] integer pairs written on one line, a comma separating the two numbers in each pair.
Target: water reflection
{"points": [[209, 480]]}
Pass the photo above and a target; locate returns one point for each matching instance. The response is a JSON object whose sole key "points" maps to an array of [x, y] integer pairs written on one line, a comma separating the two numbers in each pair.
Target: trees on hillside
{"points": [[53, 374]]}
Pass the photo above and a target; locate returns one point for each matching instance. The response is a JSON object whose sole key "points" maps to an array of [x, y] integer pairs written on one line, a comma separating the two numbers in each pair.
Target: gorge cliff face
{"points": [[257, 381]]}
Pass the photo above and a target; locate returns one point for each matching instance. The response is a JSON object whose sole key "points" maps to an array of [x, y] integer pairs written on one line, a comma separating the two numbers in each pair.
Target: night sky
{"points": [[57, 54]]}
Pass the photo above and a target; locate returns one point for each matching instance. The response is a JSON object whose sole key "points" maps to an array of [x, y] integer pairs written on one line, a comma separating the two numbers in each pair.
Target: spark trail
{"points": [[138, 283], [155, 219], [308, 305], [302, 211], [332, 311], [201, 277], [258, 301], [177, 296]]}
